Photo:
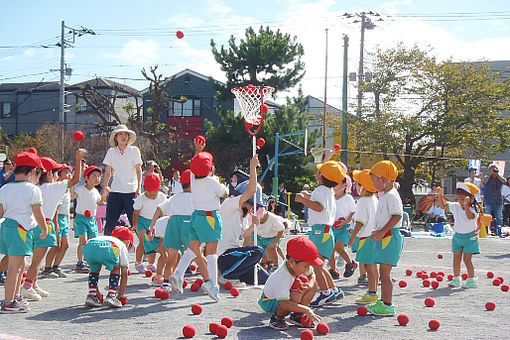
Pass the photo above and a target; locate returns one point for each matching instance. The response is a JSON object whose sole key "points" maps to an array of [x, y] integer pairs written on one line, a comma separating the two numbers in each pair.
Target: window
{"points": [[189, 108], [81, 105], [196, 108], [6, 110]]}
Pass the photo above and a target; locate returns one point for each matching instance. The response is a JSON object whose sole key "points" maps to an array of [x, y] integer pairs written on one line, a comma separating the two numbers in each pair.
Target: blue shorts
{"points": [[99, 253], [85, 226], [355, 245], [205, 226], [388, 250], [365, 250], [467, 243], [268, 305], [150, 246], [323, 238], [143, 224], [177, 232], [63, 225], [342, 234], [49, 241], [15, 240]]}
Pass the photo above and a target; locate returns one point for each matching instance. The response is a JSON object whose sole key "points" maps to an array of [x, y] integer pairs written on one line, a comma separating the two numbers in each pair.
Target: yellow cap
{"points": [[364, 179], [468, 187], [385, 169], [332, 171]]}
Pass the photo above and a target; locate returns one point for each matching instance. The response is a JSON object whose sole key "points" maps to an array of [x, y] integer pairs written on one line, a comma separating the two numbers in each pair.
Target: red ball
{"points": [[434, 324], [184, 283], [88, 213], [78, 136], [129, 272], [403, 319], [159, 292], [101, 298], [234, 291], [490, 275], [196, 309], [122, 300], [227, 322], [465, 276], [439, 278], [362, 311], [24, 274], [434, 284], [322, 328], [307, 334], [188, 331], [228, 285], [337, 147], [441, 273], [439, 256], [199, 282], [296, 284], [212, 327], [505, 288], [304, 279], [402, 284], [194, 287], [192, 267], [433, 274], [430, 302], [424, 276], [148, 273], [500, 278], [179, 34], [306, 323], [426, 283], [490, 305], [264, 108], [222, 331], [419, 274], [496, 282], [450, 277], [261, 142], [409, 272]]}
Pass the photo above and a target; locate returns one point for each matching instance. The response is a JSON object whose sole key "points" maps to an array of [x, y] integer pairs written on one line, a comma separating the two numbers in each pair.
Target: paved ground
{"points": [[460, 311]]}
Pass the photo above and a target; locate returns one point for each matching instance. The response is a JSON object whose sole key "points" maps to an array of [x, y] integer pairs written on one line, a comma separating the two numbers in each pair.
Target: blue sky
{"points": [[147, 29]]}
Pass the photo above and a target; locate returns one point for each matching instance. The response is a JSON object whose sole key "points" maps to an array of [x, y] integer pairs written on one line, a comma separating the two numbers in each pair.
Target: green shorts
{"points": [[342, 234], [388, 250], [15, 240], [467, 243], [323, 238], [205, 226], [264, 242], [49, 241], [150, 246], [365, 250], [177, 232], [99, 252], [63, 225], [143, 224], [85, 226], [355, 245], [268, 305]]}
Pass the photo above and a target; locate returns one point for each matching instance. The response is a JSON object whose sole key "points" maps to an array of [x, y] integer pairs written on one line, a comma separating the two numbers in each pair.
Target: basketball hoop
{"points": [[317, 154], [251, 100]]}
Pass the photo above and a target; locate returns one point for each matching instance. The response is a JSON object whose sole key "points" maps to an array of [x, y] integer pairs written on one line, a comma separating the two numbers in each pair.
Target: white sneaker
{"points": [[211, 290], [152, 267], [112, 301], [222, 280], [30, 294], [92, 301], [235, 282], [41, 292], [176, 283]]}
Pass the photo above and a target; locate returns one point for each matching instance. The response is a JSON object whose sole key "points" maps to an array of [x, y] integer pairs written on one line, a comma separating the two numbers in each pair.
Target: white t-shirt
{"points": [[176, 186], [272, 226], [147, 205], [178, 204], [86, 199], [345, 206], [326, 198], [123, 252], [160, 226], [505, 192], [17, 199], [389, 204], [232, 229], [478, 182], [366, 208], [462, 224], [278, 285], [436, 211], [64, 204], [52, 194], [123, 165], [206, 193]]}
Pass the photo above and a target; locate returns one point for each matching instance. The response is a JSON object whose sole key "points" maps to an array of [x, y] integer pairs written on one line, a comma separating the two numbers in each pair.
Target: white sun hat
{"points": [[122, 128]]}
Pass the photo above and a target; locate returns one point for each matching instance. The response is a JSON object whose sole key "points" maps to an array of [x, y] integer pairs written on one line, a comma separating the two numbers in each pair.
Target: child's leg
{"points": [[162, 259], [199, 258], [386, 283], [152, 258], [332, 261], [211, 253], [140, 248], [113, 283], [362, 269], [33, 270], [308, 295], [321, 277], [171, 256], [52, 253], [184, 262], [3, 263], [82, 241], [280, 252], [15, 271], [272, 255], [457, 257], [93, 281], [340, 249], [64, 245], [372, 275], [469, 264]]}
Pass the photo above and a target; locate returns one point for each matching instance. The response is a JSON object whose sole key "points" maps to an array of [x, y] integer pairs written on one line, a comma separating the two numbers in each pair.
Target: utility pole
{"points": [[325, 100], [344, 103]]}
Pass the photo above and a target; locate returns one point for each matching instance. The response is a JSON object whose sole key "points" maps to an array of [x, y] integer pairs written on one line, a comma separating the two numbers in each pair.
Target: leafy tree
{"points": [[263, 58]]}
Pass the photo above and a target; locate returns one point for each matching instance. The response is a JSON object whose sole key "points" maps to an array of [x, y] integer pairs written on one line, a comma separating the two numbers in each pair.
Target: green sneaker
{"points": [[367, 298], [381, 309], [455, 282], [470, 283]]}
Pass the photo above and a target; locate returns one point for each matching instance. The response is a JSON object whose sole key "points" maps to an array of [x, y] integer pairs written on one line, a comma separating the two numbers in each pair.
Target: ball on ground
{"points": [[234, 291], [434, 284], [433, 274], [439, 278], [490, 305], [199, 282], [213, 326], [439, 256], [222, 331], [419, 274], [307, 334], [501, 279], [322, 328], [188, 331], [159, 292], [490, 275], [409, 272], [465, 276], [450, 277], [424, 276], [196, 309], [434, 324], [402, 284], [305, 322], [505, 288], [184, 283], [195, 287], [192, 267], [403, 319], [430, 302], [426, 283], [496, 282], [362, 311], [228, 285], [227, 322], [122, 300], [441, 273], [148, 273]]}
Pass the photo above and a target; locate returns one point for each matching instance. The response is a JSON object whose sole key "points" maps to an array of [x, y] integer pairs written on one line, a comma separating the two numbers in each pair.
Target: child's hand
{"points": [[199, 144], [311, 316], [299, 197], [80, 153], [377, 235], [439, 191], [152, 232], [351, 242], [254, 161], [44, 233], [255, 219]]}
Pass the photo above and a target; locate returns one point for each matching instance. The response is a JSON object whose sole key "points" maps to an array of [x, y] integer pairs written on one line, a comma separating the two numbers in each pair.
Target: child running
{"points": [[388, 241], [321, 217], [465, 242]]}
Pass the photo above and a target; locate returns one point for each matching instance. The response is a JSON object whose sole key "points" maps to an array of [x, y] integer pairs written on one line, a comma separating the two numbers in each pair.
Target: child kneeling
{"points": [[287, 291]]}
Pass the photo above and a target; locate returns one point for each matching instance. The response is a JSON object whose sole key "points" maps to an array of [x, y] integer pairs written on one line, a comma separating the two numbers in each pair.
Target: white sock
{"points": [[184, 263], [212, 268]]}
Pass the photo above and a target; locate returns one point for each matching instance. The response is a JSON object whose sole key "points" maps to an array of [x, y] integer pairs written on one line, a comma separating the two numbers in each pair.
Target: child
{"points": [[465, 242], [111, 252], [52, 193], [360, 241], [20, 206], [345, 208], [206, 193], [85, 223], [321, 217], [388, 241], [280, 297], [144, 208], [153, 243]]}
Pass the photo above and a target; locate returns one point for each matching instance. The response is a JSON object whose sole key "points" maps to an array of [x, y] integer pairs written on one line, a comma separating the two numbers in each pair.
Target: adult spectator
{"points": [[282, 197], [7, 173], [175, 183], [152, 168], [505, 193], [233, 184], [493, 201], [436, 214], [476, 181], [125, 162]]}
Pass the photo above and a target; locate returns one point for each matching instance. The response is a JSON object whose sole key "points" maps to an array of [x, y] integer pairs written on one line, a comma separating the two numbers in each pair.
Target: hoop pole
{"points": [[255, 277]]}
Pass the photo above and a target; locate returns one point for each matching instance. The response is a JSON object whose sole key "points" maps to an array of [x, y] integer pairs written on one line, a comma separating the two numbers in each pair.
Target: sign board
{"points": [[475, 164], [501, 166], [3, 157]]}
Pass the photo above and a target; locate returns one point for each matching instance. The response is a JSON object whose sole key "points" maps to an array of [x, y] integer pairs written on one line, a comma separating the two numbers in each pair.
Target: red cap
{"points": [[32, 150], [90, 169], [152, 182], [123, 232], [28, 159], [49, 164], [201, 164], [302, 249], [186, 177], [64, 166]]}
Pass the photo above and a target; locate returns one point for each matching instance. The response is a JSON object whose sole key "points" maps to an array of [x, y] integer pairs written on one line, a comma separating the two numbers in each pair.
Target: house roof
{"points": [[105, 83], [29, 87], [182, 73]]}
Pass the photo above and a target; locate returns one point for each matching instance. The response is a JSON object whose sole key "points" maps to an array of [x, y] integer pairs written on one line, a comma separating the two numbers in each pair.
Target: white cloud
{"points": [[185, 20], [136, 52], [217, 7]]}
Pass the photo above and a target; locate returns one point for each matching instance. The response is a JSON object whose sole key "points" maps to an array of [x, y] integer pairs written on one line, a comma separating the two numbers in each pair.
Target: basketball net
{"points": [[317, 154]]}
